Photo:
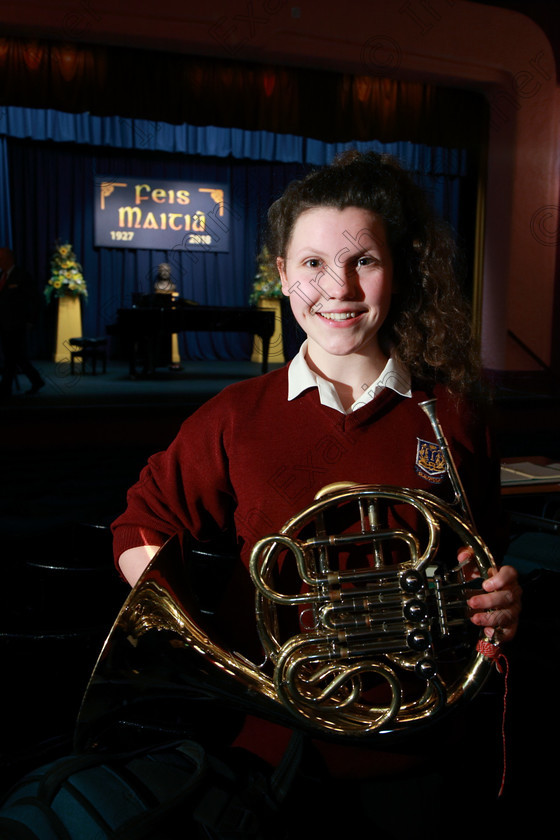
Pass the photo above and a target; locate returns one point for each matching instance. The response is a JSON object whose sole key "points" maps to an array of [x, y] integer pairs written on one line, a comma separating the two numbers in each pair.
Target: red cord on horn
{"points": [[493, 651]]}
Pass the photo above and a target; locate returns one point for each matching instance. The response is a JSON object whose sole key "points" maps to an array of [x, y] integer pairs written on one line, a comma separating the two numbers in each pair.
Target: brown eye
{"points": [[367, 262]]}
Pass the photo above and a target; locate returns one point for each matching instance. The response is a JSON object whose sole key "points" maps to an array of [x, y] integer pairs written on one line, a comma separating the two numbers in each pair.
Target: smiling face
{"points": [[338, 273]]}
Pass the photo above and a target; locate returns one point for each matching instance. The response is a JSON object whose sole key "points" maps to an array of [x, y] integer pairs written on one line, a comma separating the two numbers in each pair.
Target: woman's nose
{"points": [[342, 282]]}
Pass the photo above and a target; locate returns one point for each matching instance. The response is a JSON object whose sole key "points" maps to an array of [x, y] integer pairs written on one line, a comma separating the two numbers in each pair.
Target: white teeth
{"points": [[338, 316]]}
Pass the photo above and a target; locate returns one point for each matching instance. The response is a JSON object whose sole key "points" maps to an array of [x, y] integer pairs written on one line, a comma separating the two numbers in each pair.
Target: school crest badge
{"points": [[430, 462]]}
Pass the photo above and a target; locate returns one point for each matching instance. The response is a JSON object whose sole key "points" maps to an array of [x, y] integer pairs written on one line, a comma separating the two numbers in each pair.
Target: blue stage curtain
{"points": [[54, 156], [149, 135], [5, 211]]}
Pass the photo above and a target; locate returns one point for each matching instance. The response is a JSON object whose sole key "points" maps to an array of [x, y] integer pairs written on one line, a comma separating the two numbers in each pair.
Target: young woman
{"points": [[370, 277], [370, 274]]}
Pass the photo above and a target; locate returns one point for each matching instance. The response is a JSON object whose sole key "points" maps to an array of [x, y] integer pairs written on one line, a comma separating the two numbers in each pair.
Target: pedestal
{"points": [[175, 354], [276, 352], [68, 325]]}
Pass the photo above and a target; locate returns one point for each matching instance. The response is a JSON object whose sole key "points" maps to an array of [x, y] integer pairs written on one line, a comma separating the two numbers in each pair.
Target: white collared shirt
{"points": [[301, 377]]}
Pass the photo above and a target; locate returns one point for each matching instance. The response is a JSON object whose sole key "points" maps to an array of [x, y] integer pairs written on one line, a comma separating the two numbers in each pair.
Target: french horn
{"points": [[370, 639]]}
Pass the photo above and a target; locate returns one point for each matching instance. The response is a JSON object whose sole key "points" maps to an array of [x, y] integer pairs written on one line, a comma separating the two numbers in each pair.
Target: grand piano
{"points": [[154, 316]]}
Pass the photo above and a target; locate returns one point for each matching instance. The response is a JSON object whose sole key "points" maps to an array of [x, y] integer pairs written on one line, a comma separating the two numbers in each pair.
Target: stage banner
{"points": [[160, 214]]}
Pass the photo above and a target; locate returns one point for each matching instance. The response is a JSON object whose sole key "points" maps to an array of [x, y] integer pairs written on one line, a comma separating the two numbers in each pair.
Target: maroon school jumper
{"points": [[251, 459]]}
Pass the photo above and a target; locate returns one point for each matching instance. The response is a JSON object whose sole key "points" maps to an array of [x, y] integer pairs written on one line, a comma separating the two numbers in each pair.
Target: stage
{"points": [[71, 451], [194, 382]]}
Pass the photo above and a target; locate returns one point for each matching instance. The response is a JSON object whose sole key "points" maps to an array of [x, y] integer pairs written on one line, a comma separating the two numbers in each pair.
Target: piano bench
{"points": [[89, 348]]}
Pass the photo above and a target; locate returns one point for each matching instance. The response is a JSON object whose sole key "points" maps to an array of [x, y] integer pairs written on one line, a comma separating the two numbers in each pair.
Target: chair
{"points": [[93, 348], [50, 639]]}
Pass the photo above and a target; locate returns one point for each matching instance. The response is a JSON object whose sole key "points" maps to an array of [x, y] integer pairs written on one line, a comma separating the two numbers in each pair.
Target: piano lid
{"points": [[160, 300]]}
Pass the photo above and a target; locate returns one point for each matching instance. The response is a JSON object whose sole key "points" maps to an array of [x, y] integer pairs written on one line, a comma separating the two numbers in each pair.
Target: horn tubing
{"points": [[429, 408]]}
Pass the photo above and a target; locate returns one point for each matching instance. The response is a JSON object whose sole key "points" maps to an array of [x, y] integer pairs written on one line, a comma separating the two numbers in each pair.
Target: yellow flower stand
{"points": [[175, 354], [69, 325], [276, 351]]}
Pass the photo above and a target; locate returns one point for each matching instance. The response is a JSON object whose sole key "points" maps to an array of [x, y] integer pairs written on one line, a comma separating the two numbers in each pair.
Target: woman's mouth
{"points": [[338, 316]]}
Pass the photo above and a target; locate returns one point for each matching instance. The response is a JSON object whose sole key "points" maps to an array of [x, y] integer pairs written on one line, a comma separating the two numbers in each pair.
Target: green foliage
{"points": [[66, 277], [266, 284]]}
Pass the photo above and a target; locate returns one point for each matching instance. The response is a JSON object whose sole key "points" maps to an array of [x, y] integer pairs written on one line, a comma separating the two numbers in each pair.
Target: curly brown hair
{"points": [[428, 327]]}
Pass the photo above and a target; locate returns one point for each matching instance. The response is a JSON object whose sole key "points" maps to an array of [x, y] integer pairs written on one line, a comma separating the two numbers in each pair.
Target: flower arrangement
{"points": [[267, 283], [66, 274]]}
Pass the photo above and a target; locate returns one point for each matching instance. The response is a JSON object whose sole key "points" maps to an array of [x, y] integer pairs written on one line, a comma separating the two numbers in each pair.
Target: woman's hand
{"points": [[500, 603], [134, 561]]}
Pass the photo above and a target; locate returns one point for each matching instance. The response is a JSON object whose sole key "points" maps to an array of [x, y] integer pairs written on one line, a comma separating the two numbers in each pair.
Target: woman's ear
{"points": [[281, 266]]}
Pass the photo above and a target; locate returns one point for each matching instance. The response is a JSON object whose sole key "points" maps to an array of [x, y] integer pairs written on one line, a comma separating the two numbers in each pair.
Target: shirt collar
{"points": [[300, 377]]}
